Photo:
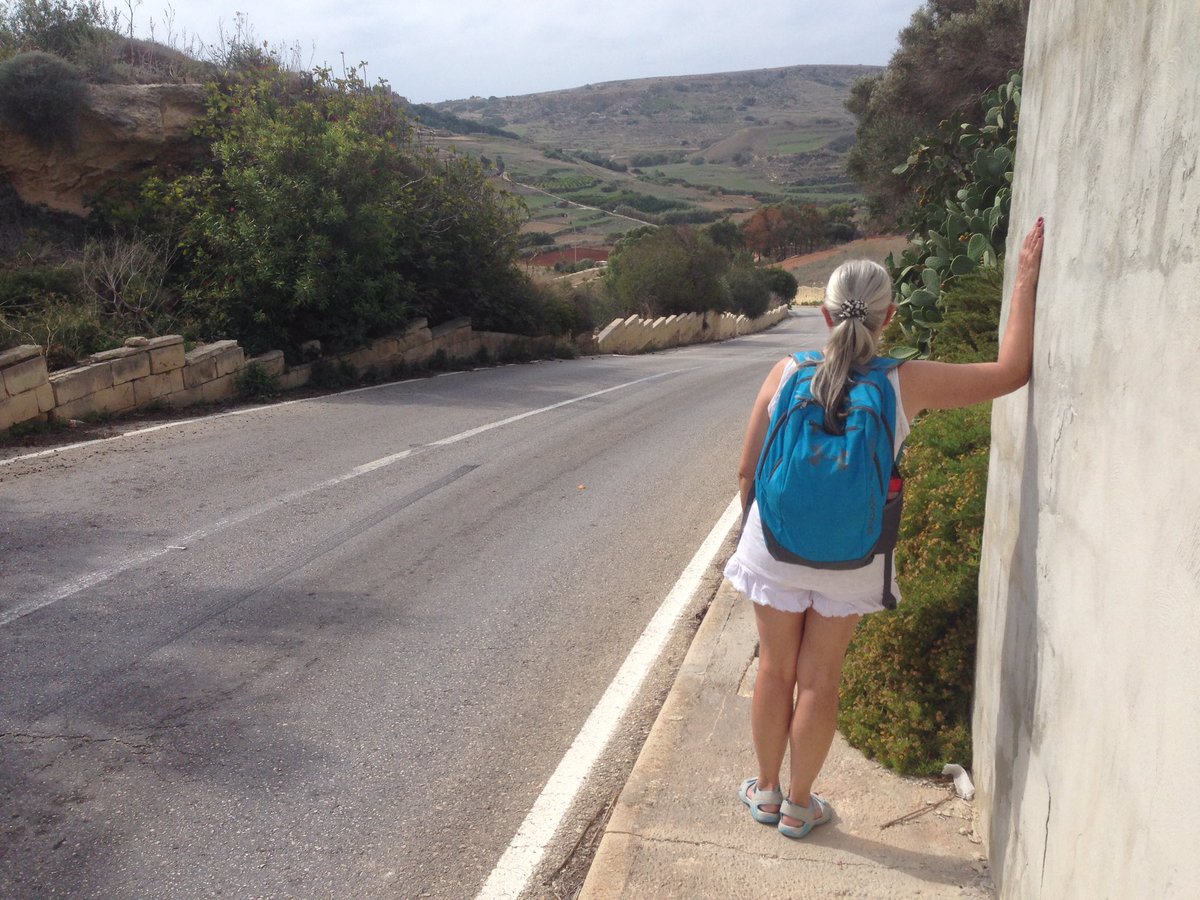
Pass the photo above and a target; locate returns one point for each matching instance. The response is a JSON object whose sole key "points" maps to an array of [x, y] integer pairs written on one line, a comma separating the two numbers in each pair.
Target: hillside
{"points": [[703, 145]]}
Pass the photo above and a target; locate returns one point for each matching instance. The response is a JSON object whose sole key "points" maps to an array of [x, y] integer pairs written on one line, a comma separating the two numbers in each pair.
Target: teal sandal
{"points": [[818, 812], [760, 799]]}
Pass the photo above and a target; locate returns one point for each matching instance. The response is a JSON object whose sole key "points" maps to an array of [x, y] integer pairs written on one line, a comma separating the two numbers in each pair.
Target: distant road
{"points": [[336, 647]]}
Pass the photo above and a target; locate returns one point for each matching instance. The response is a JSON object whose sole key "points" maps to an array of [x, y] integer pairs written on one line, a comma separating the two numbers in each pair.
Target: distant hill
{"points": [[787, 126]]}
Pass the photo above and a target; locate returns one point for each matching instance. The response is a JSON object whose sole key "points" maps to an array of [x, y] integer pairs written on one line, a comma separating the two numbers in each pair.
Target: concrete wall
{"points": [[1087, 715]]}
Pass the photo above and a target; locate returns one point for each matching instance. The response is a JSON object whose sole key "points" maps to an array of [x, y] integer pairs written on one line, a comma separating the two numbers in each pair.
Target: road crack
{"points": [[30, 737]]}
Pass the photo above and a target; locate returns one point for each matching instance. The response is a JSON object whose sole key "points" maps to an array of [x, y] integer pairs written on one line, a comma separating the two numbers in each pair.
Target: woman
{"points": [[807, 616]]}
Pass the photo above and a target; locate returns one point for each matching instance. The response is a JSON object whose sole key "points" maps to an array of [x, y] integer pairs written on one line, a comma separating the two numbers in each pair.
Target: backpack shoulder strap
{"points": [[885, 364]]}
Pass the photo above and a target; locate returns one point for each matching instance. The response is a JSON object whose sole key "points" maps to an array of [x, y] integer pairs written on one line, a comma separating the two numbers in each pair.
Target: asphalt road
{"points": [[335, 648]]}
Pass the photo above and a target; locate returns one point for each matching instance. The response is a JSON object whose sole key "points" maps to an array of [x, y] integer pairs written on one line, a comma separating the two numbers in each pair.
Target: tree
{"points": [[727, 234], [766, 232], [951, 52], [806, 227], [749, 290], [668, 271], [320, 216], [781, 283], [775, 232]]}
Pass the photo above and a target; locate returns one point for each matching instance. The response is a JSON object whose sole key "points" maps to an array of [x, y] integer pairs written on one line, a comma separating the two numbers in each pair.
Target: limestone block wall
{"points": [[156, 371], [637, 335], [416, 346], [1087, 722], [25, 392]]}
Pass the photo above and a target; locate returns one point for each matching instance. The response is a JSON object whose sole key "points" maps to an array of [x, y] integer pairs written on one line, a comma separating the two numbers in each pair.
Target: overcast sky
{"points": [[431, 50]]}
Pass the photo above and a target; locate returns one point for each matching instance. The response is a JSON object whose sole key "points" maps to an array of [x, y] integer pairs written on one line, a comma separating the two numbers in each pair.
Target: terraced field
{"points": [[691, 148]]}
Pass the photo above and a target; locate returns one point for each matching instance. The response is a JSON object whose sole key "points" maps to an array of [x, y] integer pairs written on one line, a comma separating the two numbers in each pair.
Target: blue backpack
{"points": [[824, 498]]}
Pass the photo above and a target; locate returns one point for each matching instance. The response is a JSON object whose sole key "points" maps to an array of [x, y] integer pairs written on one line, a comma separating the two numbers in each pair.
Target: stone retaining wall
{"points": [[158, 372], [638, 335]]}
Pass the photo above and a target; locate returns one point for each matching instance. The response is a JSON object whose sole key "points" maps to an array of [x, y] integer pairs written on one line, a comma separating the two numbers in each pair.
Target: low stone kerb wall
{"points": [[638, 335], [158, 372]]}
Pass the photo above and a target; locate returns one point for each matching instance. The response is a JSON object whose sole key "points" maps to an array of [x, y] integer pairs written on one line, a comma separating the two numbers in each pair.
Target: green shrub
{"points": [[565, 350], [67, 330], [782, 283], [41, 97], [72, 29], [329, 374], [909, 675], [323, 217], [670, 270], [748, 290], [256, 383], [514, 352], [25, 287]]}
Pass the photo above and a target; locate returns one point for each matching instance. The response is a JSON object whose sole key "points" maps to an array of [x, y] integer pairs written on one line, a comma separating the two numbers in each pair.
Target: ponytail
{"points": [[856, 300]]}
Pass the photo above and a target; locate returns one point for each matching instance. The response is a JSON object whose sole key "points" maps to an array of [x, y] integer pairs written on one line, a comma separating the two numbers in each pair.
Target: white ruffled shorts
{"points": [[796, 589]]}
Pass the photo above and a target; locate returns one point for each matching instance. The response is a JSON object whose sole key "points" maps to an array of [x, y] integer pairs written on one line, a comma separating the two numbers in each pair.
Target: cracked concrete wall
{"points": [[1087, 724]]}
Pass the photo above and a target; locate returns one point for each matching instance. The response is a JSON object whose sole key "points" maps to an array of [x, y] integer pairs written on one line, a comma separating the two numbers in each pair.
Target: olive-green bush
{"points": [[782, 283], [321, 215], [909, 674], [748, 290], [71, 29], [41, 97], [66, 329]]}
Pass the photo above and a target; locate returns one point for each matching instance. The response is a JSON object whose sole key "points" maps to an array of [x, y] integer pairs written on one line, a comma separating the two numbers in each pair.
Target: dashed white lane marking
{"points": [[101, 575], [512, 872]]}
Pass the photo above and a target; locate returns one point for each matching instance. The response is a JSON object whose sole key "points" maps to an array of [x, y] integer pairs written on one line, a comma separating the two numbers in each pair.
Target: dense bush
{"points": [[321, 217], [781, 283], [71, 29], [595, 306], [951, 53], [41, 97], [909, 675], [670, 270], [67, 329], [748, 290], [19, 288]]}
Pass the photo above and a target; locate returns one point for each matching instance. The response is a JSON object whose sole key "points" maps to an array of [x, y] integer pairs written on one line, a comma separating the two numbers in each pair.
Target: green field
{"points": [[730, 178], [764, 135]]}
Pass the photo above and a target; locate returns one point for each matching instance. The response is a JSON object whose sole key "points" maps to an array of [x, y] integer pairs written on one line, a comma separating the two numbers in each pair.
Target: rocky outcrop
{"points": [[124, 129]]}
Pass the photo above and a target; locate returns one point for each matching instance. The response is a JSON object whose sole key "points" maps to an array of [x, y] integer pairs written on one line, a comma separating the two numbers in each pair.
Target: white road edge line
{"points": [[101, 575], [514, 868]]}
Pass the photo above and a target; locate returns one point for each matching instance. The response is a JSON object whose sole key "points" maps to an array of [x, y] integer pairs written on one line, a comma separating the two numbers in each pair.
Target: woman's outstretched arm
{"points": [[925, 384]]}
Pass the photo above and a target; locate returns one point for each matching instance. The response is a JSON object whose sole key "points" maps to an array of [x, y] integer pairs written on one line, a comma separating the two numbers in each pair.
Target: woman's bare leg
{"points": [[818, 673], [779, 638]]}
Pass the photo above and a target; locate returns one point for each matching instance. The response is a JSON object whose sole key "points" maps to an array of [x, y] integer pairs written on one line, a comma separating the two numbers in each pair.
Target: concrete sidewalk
{"points": [[679, 829]]}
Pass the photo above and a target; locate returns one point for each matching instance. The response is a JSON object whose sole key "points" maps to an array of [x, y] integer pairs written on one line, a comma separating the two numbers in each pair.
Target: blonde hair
{"points": [[857, 299]]}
